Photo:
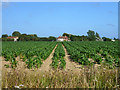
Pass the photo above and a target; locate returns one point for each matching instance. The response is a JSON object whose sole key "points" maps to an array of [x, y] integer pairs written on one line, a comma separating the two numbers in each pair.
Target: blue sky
{"points": [[54, 18]]}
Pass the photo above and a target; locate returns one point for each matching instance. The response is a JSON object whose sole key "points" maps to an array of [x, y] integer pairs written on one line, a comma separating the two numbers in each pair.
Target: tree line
{"points": [[91, 36], [27, 37]]}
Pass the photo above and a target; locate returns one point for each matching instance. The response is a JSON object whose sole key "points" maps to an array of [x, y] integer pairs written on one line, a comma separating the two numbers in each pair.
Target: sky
{"points": [[55, 18]]}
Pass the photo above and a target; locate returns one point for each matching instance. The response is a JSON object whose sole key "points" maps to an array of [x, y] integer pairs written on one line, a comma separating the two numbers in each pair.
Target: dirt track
{"points": [[72, 66], [46, 64]]}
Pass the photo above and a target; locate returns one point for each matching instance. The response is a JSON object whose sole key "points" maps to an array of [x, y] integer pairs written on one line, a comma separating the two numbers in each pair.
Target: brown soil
{"points": [[90, 59], [46, 64], [21, 64], [71, 66], [3, 63]]}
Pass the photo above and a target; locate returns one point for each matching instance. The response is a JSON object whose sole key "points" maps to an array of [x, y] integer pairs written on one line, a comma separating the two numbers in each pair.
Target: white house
{"points": [[113, 40], [62, 38], [15, 38], [99, 39]]}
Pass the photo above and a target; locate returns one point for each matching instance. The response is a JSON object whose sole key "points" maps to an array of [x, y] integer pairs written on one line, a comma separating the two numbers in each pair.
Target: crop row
{"points": [[100, 52], [33, 53], [58, 57]]}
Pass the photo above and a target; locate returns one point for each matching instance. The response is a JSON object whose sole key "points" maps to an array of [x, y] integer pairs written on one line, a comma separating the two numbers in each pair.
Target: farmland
{"points": [[106, 52], [32, 53], [62, 58]]}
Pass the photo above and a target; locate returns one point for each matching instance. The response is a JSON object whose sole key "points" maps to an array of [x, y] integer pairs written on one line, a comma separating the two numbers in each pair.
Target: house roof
{"points": [[62, 37], [11, 37]]}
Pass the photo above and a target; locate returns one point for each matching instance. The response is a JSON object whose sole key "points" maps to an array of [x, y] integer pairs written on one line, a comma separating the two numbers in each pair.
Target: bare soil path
{"points": [[3, 63], [46, 64], [71, 66], [21, 65]]}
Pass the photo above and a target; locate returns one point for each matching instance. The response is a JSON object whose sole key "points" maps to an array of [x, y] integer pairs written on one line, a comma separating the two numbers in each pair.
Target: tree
{"points": [[51, 38], [106, 39], [4, 35], [115, 38], [21, 38], [4, 39], [16, 33], [27, 38], [91, 35], [84, 38], [24, 34], [65, 34], [35, 35], [97, 35], [71, 38]]}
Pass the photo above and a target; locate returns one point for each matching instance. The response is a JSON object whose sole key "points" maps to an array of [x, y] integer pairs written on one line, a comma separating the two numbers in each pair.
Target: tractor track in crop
{"points": [[70, 66], [46, 64]]}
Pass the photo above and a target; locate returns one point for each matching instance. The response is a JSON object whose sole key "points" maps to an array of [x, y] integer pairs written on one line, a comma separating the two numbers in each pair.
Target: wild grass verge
{"points": [[87, 78]]}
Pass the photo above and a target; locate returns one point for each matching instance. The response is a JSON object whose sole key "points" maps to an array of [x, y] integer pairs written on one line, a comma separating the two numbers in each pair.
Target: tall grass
{"points": [[87, 78]]}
